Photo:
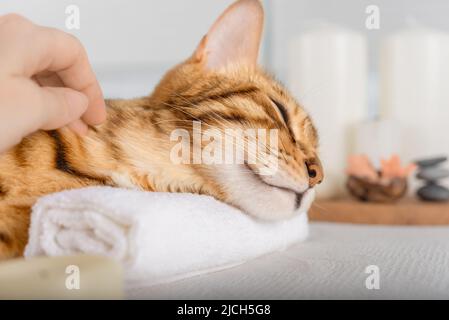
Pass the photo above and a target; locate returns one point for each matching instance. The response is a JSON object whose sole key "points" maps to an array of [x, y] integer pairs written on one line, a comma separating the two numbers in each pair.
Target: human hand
{"points": [[46, 82]]}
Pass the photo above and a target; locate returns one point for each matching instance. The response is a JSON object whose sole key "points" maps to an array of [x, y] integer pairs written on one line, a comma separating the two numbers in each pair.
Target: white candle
{"points": [[415, 90], [328, 74]]}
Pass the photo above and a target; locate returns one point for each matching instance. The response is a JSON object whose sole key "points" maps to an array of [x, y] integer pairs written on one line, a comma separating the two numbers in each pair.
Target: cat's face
{"points": [[220, 93]]}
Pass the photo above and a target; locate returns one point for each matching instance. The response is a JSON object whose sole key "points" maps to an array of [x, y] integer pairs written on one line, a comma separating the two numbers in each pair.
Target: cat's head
{"points": [[221, 87]]}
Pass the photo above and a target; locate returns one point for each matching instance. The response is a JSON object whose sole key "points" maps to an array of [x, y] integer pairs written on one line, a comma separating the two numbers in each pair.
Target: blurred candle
{"points": [[414, 89], [328, 74]]}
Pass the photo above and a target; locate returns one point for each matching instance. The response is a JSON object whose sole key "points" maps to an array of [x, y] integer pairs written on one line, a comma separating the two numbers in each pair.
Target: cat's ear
{"points": [[234, 37]]}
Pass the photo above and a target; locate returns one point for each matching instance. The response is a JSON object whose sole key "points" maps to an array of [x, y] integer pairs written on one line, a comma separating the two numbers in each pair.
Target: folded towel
{"points": [[159, 237]]}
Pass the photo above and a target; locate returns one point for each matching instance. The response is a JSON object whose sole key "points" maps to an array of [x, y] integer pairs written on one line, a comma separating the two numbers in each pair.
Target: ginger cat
{"points": [[221, 86]]}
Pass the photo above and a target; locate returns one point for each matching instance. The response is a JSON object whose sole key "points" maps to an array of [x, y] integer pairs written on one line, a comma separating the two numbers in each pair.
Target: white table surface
{"points": [[413, 263]]}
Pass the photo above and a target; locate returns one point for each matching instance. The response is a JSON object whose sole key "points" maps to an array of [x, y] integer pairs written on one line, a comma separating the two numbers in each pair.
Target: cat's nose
{"points": [[315, 171]]}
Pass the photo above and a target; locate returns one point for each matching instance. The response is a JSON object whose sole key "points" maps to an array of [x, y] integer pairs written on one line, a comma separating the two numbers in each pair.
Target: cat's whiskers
{"points": [[215, 127], [320, 207], [230, 124]]}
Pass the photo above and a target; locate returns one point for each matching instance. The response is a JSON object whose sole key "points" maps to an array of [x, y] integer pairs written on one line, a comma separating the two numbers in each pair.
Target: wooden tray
{"points": [[405, 212]]}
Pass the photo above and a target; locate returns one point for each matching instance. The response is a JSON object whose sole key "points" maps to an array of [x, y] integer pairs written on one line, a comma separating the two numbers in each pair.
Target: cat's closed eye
{"points": [[282, 110], [285, 117]]}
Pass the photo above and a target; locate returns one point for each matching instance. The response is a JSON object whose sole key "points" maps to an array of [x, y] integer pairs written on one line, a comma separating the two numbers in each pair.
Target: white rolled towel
{"points": [[159, 237]]}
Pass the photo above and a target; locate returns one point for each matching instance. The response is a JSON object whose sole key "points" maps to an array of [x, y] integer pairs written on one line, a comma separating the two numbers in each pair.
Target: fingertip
{"points": [[96, 113], [59, 106], [77, 103], [79, 127]]}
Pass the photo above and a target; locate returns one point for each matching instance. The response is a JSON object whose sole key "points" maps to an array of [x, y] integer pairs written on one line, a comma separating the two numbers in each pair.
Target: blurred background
{"points": [[374, 78]]}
